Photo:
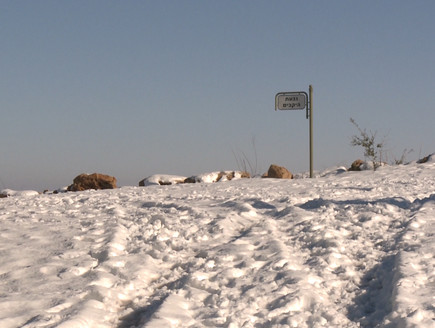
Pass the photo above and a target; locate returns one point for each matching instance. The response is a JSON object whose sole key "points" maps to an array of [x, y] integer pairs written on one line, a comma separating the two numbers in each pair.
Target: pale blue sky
{"points": [[135, 88]]}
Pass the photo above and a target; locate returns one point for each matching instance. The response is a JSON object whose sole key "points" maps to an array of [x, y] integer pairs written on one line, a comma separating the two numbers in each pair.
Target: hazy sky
{"points": [[135, 88]]}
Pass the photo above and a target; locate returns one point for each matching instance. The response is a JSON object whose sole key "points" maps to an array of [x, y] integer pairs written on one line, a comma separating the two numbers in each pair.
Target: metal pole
{"points": [[311, 129]]}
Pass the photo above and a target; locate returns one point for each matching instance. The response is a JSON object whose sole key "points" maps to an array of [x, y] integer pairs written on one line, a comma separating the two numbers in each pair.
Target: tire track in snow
{"points": [[158, 258], [209, 277], [194, 261], [368, 271], [202, 274], [101, 238], [415, 275], [192, 277]]}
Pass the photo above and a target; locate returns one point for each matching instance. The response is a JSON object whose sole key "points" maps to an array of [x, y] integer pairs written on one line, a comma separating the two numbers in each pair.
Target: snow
{"points": [[345, 249]]}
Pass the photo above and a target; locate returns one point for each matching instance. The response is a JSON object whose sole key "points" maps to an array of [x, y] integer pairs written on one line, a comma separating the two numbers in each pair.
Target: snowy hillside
{"points": [[349, 249]]}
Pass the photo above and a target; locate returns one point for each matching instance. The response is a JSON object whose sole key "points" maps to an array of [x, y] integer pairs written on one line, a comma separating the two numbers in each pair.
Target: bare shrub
{"points": [[367, 140]]}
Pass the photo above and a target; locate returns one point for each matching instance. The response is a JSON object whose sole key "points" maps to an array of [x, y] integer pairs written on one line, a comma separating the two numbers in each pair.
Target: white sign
{"points": [[285, 101]]}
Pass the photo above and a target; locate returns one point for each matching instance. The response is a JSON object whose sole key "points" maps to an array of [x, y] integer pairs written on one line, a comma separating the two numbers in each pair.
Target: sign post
{"points": [[298, 100]]}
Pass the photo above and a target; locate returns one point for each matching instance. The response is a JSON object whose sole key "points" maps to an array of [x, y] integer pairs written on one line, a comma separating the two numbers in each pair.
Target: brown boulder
{"points": [[92, 181], [278, 172], [356, 165]]}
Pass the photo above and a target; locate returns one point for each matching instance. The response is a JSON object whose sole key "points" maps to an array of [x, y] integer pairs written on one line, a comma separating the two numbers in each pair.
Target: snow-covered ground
{"points": [[346, 249]]}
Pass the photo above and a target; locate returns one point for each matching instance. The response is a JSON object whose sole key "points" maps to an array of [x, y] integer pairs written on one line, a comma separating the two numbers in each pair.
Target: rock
{"points": [[162, 180], [244, 175], [230, 175], [423, 160], [17, 193], [426, 159], [190, 180], [218, 176], [92, 181], [278, 172], [356, 165]]}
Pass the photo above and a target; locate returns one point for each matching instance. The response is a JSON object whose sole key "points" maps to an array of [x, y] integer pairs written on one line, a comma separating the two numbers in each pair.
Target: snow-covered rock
{"points": [[13, 193], [427, 159], [217, 176], [162, 179]]}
